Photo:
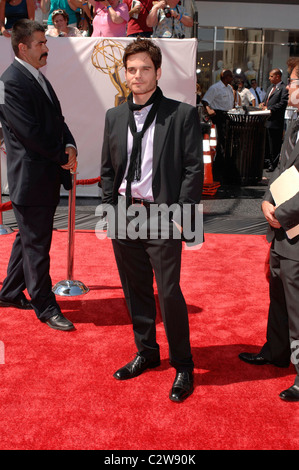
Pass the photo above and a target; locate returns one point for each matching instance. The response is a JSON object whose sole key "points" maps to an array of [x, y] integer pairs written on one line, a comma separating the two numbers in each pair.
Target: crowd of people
{"points": [[103, 18]]}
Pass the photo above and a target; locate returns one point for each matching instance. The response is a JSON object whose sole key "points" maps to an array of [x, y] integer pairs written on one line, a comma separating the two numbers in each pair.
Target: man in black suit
{"points": [[152, 156], [283, 320], [40, 154], [276, 101]]}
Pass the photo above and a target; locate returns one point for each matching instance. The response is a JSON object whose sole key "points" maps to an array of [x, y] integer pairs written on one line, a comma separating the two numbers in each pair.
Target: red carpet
{"points": [[57, 390]]}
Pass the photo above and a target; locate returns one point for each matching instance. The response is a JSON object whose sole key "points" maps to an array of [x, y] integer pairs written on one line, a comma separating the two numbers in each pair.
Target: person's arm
{"points": [[73, 4], [135, 10], [72, 158], [114, 15], [107, 171], [287, 213], [282, 103], [208, 108], [45, 6], [269, 213], [2, 19], [152, 17], [30, 9], [27, 126], [184, 19]]}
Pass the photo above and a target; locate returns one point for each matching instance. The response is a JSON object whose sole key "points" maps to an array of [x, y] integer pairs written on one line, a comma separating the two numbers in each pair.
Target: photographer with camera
{"points": [[110, 18], [168, 20]]}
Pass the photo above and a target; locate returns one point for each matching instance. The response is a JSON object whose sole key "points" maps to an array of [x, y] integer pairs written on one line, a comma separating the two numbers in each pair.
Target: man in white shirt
{"points": [[257, 92], [152, 157], [217, 101], [247, 98]]}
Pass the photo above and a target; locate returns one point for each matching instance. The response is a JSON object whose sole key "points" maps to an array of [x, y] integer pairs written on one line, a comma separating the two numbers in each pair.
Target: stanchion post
{"points": [[4, 229], [70, 287]]}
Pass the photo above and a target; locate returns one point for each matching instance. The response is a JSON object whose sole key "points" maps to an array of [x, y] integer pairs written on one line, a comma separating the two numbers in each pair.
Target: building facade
{"points": [[250, 38]]}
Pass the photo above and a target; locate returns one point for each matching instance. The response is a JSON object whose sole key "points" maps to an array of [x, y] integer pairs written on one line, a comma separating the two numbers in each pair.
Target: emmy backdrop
{"points": [[88, 77]]}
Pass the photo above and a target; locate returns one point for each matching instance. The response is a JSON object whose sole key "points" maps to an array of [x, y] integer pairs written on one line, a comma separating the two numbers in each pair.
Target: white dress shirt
{"points": [[141, 189], [220, 96]]}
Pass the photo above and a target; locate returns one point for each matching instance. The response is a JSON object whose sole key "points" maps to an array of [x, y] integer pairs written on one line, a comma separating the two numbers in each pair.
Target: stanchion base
{"points": [[4, 230], [70, 288]]}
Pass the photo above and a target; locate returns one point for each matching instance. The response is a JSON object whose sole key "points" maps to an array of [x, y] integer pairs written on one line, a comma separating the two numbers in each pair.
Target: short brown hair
{"points": [[293, 63], [62, 13], [22, 32], [144, 45]]}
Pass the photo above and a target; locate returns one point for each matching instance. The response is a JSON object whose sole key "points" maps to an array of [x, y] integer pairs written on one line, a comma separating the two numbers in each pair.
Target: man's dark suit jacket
{"points": [[277, 104], [177, 175], [288, 212], [35, 136]]}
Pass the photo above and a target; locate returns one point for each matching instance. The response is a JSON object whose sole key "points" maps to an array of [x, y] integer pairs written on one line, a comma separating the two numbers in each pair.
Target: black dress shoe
{"points": [[59, 322], [135, 367], [182, 387], [291, 394], [259, 360], [22, 303]]}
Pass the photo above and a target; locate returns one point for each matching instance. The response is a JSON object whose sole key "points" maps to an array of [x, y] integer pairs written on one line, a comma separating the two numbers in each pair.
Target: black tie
{"points": [[134, 170], [258, 97]]}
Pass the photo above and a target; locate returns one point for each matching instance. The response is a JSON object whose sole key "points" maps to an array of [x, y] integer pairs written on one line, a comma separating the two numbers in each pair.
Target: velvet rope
{"points": [[91, 181], [6, 206]]}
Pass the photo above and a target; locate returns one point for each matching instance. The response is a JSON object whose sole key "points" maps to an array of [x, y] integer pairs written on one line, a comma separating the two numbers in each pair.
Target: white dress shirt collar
{"points": [[29, 67]]}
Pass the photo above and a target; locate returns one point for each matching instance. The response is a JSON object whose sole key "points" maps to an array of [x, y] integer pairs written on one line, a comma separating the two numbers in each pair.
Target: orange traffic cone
{"points": [[213, 138], [209, 187]]}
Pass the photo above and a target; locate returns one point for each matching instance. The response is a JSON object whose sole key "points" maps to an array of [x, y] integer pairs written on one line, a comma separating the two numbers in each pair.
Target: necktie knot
{"points": [[43, 84]]}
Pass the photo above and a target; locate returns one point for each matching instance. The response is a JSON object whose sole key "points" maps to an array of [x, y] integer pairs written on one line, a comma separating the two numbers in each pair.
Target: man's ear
{"points": [[159, 73], [22, 48]]}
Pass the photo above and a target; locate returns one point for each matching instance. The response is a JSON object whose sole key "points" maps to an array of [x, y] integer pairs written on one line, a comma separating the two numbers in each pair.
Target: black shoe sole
{"points": [[67, 328], [181, 400]]}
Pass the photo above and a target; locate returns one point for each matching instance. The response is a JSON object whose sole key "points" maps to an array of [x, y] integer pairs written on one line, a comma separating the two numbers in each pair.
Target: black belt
{"points": [[141, 202]]}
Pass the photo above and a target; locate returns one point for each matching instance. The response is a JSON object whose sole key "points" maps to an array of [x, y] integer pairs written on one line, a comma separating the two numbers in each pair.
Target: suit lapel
{"points": [[37, 86], [122, 135], [163, 121], [288, 163], [54, 100]]}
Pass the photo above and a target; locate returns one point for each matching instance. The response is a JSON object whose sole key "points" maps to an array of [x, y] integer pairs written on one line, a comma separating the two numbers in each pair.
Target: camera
{"points": [[167, 12]]}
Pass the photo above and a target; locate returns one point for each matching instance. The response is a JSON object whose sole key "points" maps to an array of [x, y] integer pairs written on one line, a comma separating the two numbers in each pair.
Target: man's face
{"points": [[227, 78], [141, 76], [253, 84], [293, 88], [37, 52], [274, 78]]}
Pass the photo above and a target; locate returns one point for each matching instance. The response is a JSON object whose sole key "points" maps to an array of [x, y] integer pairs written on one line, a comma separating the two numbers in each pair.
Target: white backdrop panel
{"points": [[88, 78]]}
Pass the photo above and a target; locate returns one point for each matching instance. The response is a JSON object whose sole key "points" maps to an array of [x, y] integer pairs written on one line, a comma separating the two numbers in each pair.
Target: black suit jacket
{"points": [[177, 174], [35, 136], [277, 104], [288, 212]]}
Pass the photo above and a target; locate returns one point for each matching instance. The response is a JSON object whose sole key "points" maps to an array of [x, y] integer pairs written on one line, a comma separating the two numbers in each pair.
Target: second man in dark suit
{"points": [[276, 101], [152, 155], [283, 320]]}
